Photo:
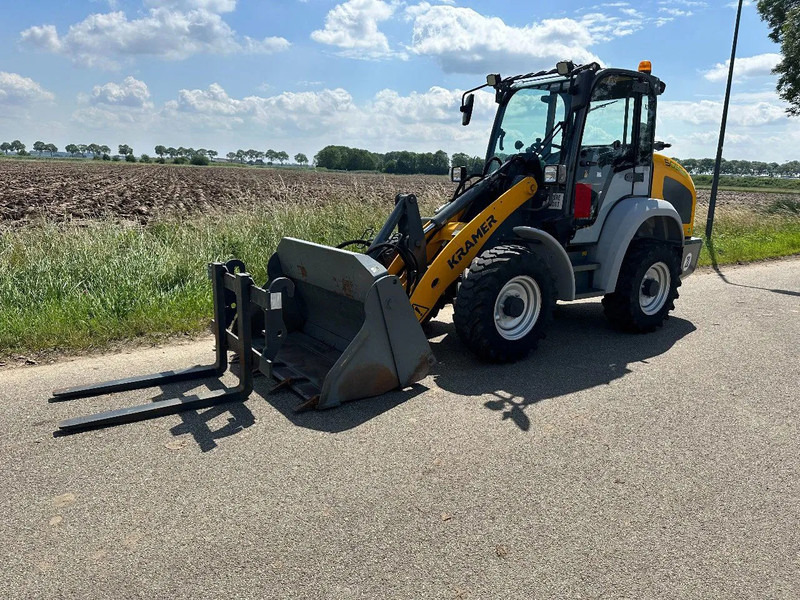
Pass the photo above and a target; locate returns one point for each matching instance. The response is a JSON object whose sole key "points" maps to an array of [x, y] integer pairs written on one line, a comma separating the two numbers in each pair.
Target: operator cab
{"points": [[591, 130]]}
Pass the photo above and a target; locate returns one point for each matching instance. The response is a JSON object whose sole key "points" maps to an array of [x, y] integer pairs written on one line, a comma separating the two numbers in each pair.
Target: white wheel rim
{"points": [[652, 301], [526, 289]]}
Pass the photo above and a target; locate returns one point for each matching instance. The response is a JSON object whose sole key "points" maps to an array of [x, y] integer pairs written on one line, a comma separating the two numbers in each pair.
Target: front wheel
{"points": [[503, 306], [647, 287]]}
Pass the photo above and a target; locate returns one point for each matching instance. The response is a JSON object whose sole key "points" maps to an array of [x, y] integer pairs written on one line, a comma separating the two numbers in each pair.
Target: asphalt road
{"points": [[605, 465]]}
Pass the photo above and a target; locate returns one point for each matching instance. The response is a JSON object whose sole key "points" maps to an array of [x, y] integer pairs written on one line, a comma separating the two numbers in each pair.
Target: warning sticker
{"points": [[420, 310]]}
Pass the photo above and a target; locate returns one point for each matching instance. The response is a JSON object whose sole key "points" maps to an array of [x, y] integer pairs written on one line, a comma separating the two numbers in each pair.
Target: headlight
{"points": [[555, 174]]}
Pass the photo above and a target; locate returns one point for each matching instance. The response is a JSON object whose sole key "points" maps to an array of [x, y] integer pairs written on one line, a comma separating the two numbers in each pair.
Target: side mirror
{"points": [[458, 174], [466, 109]]}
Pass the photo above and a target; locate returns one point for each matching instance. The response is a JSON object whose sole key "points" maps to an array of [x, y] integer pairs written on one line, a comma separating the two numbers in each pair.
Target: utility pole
{"points": [[712, 204]]}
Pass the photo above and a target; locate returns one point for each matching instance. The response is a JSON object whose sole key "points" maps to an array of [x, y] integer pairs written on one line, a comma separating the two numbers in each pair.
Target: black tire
{"points": [[633, 308], [474, 310]]}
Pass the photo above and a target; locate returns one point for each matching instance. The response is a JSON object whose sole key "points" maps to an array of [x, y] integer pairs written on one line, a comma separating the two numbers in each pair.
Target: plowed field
{"points": [[72, 190]]}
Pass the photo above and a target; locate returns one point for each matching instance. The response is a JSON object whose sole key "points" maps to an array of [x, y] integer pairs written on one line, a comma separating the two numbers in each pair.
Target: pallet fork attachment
{"points": [[234, 293], [332, 326]]}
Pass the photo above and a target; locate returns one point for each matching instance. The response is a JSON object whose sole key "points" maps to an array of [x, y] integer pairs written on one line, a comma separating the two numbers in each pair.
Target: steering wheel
{"points": [[609, 154]]}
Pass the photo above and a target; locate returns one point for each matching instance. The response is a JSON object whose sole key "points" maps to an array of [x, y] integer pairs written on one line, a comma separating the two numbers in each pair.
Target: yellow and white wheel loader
{"points": [[574, 202]]}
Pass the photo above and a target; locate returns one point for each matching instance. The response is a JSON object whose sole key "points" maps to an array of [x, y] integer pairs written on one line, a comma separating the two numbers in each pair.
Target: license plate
{"points": [[556, 200]]}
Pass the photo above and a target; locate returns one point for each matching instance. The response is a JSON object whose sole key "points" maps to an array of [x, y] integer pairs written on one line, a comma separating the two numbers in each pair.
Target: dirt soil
{"points": [[79, 190], [73, 190]]}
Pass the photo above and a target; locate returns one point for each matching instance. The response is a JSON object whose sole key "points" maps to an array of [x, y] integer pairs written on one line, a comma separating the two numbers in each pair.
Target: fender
{"points": [[555, 256], [620, 227]]}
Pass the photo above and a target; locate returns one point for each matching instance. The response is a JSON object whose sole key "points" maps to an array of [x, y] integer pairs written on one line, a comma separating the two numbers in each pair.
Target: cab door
{"points": [[615, 156]]}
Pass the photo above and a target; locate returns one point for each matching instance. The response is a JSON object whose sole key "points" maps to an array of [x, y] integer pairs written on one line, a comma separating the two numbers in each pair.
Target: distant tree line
{"points": [[15, 146], [180, 155], [705, 166], [343, 158], [254, 156]]}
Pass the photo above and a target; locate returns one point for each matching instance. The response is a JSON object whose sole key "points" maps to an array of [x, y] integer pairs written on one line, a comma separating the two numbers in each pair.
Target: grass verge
{"points": [[68, 288], [742, 235]]}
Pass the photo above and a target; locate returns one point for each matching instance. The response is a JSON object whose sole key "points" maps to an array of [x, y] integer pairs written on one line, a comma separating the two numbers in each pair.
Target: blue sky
{"points": [[296, 75]]}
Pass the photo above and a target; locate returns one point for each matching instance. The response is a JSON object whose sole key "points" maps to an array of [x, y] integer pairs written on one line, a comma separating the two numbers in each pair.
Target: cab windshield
{"points": [[532, 121]]}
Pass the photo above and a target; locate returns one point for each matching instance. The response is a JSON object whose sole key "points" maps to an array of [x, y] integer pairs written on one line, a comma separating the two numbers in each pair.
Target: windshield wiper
{"points": [[604, 105]]}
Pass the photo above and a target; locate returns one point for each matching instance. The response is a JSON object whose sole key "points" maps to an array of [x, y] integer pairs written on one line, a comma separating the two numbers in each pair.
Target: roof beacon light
{"points": [[645, 67]]}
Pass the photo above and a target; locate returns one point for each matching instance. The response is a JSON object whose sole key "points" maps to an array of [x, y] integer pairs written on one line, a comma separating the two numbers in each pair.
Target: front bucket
{"points": [[351, 330]]}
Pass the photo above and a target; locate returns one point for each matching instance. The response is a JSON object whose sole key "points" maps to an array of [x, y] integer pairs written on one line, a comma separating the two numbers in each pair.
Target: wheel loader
{"points": [[574, 201]]}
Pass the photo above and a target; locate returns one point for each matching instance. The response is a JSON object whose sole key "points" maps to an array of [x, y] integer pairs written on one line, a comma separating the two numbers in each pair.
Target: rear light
{"points": [[583, 201]]}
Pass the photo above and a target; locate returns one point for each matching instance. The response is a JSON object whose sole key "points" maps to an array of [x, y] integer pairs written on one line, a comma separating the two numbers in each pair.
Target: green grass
{"points": [[68, 288], [742, 235]]}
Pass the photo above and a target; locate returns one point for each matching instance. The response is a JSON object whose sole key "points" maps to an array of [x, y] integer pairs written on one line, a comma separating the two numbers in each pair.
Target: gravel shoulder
{"points": [[605, 465]]}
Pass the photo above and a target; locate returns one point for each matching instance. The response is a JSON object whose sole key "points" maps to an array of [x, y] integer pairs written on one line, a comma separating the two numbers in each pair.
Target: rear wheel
{"points": [[647, 287], [503, 306]]}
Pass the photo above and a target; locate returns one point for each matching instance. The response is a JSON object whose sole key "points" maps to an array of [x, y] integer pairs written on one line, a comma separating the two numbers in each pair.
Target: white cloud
{"points": [[389, 121], [299, 111], [103, 39], [353, 27], [604, 28], [16, 90], [688, 3], [217, 6], [131, 93], [110, 121], [676, 12], [463, 40], [751, 66], [709, 111]]}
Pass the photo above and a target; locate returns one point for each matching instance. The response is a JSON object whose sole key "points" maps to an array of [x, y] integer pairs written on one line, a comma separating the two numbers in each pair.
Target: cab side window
{"points": [[617, 134]]}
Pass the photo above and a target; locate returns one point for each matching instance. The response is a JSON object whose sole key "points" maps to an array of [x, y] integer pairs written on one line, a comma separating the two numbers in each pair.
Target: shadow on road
{"points": [[715, 265], [581, 351]]}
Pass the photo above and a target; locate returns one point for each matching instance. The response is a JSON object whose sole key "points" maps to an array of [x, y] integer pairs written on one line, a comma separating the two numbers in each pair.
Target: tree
{"points": [[172, 152], [39, 147], [240, 154], [271, 155], [82, 148], [5, 147], [474, 164], [124, 150], [18, 146], [105, 149], [301, 159], [231, 156], [282, 156], [783, 18], [51, 148], [72, 149], [212, 153], [161, 151]]}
